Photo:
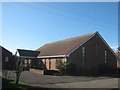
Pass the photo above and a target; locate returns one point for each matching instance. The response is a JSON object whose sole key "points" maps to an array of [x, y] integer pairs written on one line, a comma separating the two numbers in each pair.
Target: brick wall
{"points": [[52, 66], [94, 57], [118, 64]]}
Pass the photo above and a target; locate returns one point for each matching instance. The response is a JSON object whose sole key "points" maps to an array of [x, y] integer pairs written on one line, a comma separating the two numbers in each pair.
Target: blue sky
{"points": [[30, 25]]}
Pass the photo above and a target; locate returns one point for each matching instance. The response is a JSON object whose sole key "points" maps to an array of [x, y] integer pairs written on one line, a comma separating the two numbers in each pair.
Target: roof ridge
{"points": [[67, 39], [64, 47], [25, 50], [73, 37]]}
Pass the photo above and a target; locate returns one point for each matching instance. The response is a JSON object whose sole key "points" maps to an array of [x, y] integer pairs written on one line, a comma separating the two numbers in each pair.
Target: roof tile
{"points": [[63, 47]]}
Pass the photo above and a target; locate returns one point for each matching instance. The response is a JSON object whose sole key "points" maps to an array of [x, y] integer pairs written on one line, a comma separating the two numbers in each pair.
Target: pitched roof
{"points": [[28, 53], [118, 54], [4, 49], [63, 47]]}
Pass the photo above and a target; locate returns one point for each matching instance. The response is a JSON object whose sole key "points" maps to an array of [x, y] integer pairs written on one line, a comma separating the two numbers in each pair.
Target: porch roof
{"points": [[27, 53]]}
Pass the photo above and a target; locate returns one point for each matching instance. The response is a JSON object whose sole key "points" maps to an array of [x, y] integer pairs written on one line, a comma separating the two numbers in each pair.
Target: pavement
{"points": [[106, 83], [50, 81]]}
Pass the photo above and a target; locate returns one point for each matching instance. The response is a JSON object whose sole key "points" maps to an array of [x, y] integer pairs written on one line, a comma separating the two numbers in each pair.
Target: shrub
{"points": [[67, 68]]}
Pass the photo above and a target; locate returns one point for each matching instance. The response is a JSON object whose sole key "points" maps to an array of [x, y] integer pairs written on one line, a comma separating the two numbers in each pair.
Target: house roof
{"points": [[63, 47], [118, 54], [4, 49], [28, 53]]}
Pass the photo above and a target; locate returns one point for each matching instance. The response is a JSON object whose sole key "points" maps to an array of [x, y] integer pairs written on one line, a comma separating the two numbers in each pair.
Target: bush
{"points": [[67, 68]]}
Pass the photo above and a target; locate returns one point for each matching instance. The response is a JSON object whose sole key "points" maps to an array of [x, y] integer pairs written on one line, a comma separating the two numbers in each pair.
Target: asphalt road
{"points": [[50, 81], [101, 83]]}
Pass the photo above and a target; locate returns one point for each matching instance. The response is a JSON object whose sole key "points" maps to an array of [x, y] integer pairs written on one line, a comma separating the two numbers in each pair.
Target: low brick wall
{"points": [[37, 71]]}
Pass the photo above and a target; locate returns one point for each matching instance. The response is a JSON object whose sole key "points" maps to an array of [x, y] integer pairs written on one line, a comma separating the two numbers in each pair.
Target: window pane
{"points": [[83, 52], [105, 56]]}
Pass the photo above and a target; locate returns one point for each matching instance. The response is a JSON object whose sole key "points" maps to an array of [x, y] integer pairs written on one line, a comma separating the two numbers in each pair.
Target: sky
{"points": [[29, 25]]}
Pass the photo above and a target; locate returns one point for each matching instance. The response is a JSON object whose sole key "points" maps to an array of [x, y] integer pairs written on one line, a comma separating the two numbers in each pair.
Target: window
{"points": [[50, 62], [45, 61], [58, 62], [83, 55], [6, 59], [105, 56], [83, 52]]}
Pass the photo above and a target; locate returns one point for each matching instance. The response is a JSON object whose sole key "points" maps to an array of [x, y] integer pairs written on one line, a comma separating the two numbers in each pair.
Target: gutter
{"points": [[56, 56], [42, 57]]}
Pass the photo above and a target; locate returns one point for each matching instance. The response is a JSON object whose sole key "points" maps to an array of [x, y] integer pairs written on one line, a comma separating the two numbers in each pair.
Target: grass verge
{"points": [[11, 84]]}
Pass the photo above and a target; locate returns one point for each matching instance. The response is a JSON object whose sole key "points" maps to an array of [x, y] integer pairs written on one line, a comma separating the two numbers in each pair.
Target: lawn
{"points": [[11, 84]]}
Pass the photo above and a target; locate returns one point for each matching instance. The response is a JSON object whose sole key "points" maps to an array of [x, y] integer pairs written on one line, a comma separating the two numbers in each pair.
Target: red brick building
{"points": [[118, 62], [90, 53]]}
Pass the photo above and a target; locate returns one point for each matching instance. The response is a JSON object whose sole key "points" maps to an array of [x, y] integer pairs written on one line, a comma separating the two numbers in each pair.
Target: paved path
{"points": [[49, 81], [104, 83]]}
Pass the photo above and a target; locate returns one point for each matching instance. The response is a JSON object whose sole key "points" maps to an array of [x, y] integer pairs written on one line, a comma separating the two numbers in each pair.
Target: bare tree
{"points": [[19, 69]]}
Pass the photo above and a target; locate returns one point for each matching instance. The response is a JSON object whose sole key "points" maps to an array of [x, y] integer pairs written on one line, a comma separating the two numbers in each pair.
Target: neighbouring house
{"points": [[29, 58], [90, 53], [118, 61], [7, 59]]}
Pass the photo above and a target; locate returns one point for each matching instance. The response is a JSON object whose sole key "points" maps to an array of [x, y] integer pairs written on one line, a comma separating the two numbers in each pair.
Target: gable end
{"points": [[91, 38], [107, 45], [81, 44]]}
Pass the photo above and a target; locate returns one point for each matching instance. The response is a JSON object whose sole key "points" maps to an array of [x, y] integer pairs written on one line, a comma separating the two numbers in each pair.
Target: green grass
{"points": [[11, 84], [19, 85]]}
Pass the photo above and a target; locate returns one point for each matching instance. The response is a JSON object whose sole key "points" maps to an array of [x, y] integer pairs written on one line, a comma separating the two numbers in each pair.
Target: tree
{"points": [[19, 69]]}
